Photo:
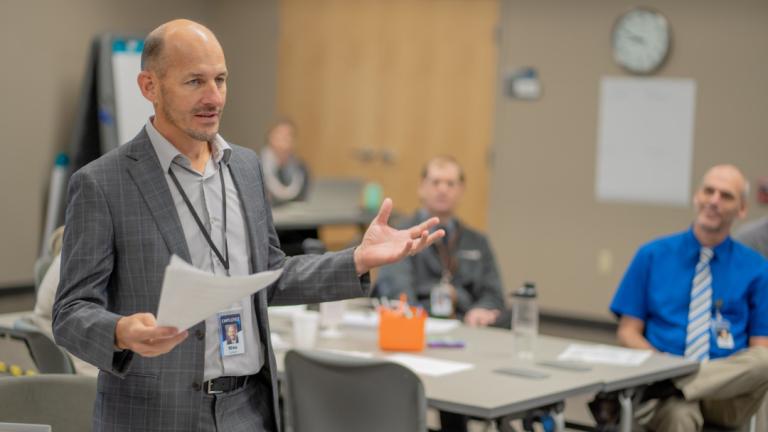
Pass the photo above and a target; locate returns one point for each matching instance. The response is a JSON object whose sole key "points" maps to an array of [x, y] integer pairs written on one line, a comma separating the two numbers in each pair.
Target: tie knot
{"points": [[706, 255]]}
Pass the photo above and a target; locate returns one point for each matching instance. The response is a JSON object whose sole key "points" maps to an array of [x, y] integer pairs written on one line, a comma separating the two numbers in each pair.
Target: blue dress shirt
{"points": [[657, 289]]}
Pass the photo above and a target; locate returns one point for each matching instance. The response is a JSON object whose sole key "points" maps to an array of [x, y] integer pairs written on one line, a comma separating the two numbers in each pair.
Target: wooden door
{"points": [[377, 87]]}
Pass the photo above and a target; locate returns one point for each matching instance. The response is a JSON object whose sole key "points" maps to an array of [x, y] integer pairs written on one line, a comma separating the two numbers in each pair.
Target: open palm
{"points": [[383, 244]]}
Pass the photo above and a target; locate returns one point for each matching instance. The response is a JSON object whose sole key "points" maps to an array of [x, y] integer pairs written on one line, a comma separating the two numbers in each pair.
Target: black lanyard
{"points": [[446, 250], [224, 259]]}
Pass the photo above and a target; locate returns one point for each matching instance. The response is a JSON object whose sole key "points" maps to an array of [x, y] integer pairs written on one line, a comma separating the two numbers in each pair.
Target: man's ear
{"points": [[148, 85], [743, 209]]}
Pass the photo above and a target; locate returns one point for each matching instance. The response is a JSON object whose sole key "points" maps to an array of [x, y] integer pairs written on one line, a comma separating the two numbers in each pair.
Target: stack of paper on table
{"points": [[604, 354]]}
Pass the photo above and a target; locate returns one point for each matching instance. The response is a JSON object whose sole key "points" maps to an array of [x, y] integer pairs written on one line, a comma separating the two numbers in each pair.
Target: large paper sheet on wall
{"points": [[131, 108], [645, 140]]}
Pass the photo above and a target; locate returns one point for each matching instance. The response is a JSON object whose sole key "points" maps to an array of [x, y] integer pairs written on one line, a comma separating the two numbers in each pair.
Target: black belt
{"points": [[224, 384]]}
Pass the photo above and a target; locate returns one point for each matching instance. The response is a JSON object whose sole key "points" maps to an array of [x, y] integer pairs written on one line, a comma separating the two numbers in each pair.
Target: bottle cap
{"points": [[528, 290], [62, 160]]}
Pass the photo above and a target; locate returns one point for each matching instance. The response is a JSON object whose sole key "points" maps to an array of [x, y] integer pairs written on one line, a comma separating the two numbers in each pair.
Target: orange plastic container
{"points": [[400, 333]]}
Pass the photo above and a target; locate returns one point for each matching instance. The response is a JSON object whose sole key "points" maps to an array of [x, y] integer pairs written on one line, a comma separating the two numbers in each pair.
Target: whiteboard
{"points": [[645, 140], [131, 108]]}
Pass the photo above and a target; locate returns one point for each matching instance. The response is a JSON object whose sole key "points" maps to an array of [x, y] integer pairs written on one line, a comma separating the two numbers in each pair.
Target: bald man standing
{"points": [[179, 188], [701, 295]]}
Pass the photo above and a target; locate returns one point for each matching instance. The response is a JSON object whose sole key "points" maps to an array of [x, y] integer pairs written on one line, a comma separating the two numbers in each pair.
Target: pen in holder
{"points": [[401, 329]]}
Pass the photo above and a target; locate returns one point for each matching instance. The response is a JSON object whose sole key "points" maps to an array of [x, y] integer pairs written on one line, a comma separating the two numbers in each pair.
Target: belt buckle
{"points": [[209, 391]]}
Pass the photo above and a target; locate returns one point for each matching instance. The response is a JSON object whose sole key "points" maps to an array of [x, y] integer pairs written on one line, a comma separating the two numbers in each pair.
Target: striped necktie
{"points": [[700, 310]]}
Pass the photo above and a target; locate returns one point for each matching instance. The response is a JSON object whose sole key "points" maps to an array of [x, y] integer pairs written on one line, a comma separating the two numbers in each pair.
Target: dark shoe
{"points": [[605, 410]]}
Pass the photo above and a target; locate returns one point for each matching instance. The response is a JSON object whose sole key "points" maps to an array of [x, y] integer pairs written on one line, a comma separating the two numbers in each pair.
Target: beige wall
{"points": [[248, 31], [547, 226], [43, 47]]}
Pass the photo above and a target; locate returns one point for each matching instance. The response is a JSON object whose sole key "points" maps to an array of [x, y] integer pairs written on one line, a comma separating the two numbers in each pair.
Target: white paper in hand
{"points": [[191, 295]]}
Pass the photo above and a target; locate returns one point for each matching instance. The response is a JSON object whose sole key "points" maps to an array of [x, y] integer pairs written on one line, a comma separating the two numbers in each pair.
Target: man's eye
{"points": [[193, 82]]}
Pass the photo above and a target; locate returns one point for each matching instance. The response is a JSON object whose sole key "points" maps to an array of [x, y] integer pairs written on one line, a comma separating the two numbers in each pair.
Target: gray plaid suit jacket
{"points": [[121, 229]]}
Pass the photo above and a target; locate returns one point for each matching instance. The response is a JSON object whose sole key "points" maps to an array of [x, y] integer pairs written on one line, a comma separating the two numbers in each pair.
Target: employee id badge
{"points": [[721, 327], [441, 300], [231, 333]]}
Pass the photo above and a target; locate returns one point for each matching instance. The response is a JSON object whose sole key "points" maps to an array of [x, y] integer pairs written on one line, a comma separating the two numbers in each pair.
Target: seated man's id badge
{"points": [[231, 334], [722, 329]]}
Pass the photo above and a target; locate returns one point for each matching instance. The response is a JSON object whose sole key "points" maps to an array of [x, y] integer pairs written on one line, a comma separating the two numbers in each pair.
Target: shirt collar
{"points": [[449, 227], [722, 251], [167, 153]]}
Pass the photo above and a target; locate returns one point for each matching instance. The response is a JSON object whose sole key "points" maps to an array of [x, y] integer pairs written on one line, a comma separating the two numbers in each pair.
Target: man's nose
{"points": [[213, 95]]}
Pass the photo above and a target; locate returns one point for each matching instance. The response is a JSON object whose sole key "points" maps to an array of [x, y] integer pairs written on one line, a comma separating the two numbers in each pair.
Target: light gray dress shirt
{"points": [[204, 192]]}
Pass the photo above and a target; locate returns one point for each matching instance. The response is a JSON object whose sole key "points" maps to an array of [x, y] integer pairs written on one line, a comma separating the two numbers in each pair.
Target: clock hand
{"points": [[634, 37]]}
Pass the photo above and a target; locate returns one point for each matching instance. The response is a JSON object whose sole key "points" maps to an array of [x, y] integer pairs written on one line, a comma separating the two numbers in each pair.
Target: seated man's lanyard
{"points": [[446, 250], [224, 259]]}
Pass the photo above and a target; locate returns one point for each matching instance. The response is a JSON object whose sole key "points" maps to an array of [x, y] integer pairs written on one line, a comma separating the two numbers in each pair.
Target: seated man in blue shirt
{"points": [[701, 295]]}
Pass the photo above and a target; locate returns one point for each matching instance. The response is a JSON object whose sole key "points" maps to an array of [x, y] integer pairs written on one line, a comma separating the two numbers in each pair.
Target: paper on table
{"points": [[605, 354], [440, 325], [370, 319], [190, 295], [285, 311], [360, 319], [429, 366]]}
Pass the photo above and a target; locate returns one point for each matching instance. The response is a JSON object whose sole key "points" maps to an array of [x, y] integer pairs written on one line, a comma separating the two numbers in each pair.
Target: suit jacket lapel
{"points": [[150, 179], [247, 182]]}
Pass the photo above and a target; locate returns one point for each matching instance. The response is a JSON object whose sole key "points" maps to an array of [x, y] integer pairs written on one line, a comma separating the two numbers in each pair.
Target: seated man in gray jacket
{"points": [[456, 277]]}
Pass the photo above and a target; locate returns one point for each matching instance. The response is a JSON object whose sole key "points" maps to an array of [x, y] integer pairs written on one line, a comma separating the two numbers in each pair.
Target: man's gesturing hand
{"points": [[140, 334], [383, 244]]}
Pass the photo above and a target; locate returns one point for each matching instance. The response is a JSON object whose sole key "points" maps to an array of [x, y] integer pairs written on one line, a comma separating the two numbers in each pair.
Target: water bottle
{"points": [[525, 320]]}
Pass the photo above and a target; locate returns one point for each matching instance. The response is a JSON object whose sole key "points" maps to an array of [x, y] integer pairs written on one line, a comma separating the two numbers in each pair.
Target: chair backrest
{"points": [[24, 427], [47, 356], [336, 393], [63, 401]]}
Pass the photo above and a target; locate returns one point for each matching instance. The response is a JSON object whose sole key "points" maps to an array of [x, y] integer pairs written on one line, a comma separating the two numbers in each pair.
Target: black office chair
{"points": [[336, 393], [47, 356]]}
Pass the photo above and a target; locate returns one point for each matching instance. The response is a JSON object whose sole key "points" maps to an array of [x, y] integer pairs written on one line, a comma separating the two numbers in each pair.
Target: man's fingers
{"points": [[157, 346], [146, 318], [407, 250], [422, 243], [140, 333], [384, 211], [437, 235], [143, 326], [424, 226]]}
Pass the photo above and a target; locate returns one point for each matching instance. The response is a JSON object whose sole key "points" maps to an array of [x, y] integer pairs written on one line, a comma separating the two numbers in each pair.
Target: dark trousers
{"points": [[247, 409], [450, 422]]}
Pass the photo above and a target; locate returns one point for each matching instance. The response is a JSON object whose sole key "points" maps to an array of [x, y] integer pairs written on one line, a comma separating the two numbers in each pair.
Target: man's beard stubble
{"points": [[194, 134]]}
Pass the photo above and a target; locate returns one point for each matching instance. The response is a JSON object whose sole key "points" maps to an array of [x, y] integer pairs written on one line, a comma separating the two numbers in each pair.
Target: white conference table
{"points": [[483, 393]]}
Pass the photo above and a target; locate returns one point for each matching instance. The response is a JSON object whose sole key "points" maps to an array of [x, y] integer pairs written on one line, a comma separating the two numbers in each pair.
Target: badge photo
{"points": [[231, 332]]}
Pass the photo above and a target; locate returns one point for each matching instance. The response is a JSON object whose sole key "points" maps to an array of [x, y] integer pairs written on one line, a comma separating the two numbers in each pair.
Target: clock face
{"points": [[641, 40]]}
